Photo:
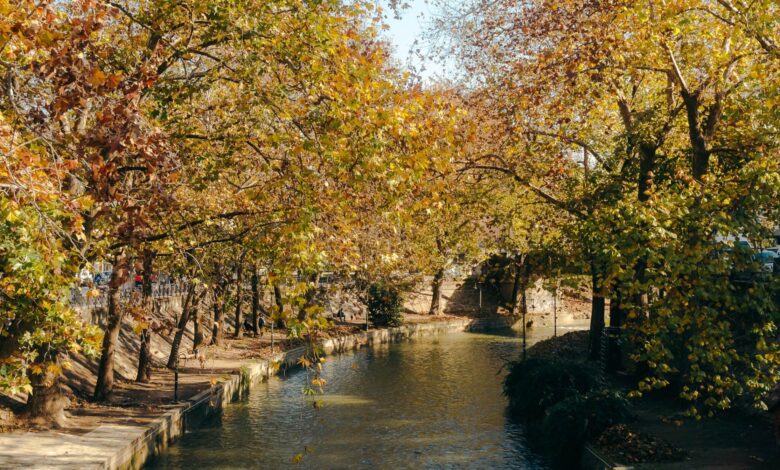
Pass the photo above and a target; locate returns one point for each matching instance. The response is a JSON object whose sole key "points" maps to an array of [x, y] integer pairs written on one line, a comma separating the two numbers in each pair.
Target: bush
{"points": [[579, 418], [534, 385], [384, 305]]}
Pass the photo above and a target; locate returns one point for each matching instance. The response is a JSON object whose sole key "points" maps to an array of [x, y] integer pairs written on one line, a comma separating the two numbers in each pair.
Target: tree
{"points": [[39, 330], [670, 166]]}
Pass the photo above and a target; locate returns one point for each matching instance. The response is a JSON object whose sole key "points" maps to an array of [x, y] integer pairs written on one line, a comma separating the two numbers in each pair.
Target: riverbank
{"points": [[143, 419], [737, 439]]}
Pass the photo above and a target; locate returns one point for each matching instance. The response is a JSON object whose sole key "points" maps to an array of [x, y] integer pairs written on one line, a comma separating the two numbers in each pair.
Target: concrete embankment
{"points": [[129, 446]]}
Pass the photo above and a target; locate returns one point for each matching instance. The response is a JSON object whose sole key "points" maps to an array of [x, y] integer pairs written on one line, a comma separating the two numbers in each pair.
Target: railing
{"points": [[80, 299]]}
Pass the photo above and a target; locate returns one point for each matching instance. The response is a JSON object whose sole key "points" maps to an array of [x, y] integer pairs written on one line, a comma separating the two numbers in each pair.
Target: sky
{"points": [[410, 27]]}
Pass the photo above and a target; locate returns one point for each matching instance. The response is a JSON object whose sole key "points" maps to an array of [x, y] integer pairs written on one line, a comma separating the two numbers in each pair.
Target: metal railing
{"points": [[81, 298]]}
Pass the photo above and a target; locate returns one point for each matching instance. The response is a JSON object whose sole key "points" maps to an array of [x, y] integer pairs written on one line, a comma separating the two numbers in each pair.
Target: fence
{"points": [[80, 299]]}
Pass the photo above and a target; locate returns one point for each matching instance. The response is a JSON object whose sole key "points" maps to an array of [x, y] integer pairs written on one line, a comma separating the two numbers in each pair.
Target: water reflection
{"points": [[429, 403]]}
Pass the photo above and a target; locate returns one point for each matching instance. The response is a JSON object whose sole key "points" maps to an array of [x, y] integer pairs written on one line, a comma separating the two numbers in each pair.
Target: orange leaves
{"points": [[97, 78]]}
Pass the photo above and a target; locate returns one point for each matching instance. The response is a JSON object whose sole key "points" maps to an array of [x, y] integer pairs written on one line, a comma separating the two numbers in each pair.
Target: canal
{"points": [[433, 402]]}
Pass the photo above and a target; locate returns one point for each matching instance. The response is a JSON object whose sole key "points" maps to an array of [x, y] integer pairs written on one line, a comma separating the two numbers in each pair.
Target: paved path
{"points": [[50, 450]]}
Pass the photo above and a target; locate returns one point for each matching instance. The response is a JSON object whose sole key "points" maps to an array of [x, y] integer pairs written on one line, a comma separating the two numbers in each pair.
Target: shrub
{"points": [[534, 385], [578, 418], [384, 305]]}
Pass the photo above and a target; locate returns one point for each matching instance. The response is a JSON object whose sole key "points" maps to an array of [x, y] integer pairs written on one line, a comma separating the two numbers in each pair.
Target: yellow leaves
{"points": [[113, 80], [12, 216], [140, 326], [97, 78], [319, 382]]}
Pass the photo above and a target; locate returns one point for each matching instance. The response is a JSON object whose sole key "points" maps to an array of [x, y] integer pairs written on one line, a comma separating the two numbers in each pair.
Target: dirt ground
{"points": [[734, 440]]}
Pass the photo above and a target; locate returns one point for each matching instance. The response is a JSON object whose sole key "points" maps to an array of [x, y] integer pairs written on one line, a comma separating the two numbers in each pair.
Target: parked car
{"points": [[84, 276], [766, 258], [139, 279], [102, 279], [776, 266], [749, 264]]}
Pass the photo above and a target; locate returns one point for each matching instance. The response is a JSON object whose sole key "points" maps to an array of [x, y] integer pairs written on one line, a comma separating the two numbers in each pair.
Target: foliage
{"points": [[580, 418], [139, 113], [37, 328], [567, 401], [534, 385], [592, 138], [384, 305], [651, 154]]}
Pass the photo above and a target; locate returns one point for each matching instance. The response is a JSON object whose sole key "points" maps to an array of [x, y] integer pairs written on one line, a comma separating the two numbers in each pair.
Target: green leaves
{"points": [[36, 324]]}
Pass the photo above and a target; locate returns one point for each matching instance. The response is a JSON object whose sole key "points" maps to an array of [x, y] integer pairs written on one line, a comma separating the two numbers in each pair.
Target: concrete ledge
{"points": [[121, 447], [593, 460]]}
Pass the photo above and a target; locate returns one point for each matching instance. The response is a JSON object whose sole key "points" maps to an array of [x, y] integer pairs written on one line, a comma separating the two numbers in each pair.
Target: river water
{"points": [[431, 403]]}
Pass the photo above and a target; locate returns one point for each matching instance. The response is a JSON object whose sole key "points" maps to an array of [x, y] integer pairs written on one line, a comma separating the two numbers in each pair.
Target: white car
{"points": [[85, 276]]}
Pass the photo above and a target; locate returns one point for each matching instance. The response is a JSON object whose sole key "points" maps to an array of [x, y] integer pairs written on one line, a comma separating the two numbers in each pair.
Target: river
{"points": [[433, 402]]}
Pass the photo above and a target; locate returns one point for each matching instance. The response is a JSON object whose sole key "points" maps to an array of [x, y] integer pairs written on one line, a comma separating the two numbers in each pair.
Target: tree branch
{"points": [[184, 226], [535, 189]]}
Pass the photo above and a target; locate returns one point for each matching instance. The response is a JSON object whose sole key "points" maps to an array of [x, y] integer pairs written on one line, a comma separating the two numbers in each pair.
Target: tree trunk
{"points": [[438, 279], [218, 305], [181, 325], [617, 311], [144, 353], [701, 156], [597, 312], [255, 281], [239, 318], [525, 279], [518, 284], [144, 374], [645, 184], [279, 306], [617, 318], [46, 404], [105, 375], [219, 313], [311, 293], [197, 327]]}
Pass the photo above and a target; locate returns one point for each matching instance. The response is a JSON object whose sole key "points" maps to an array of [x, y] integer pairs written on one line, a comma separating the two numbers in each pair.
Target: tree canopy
{"points": [[631, 142]]}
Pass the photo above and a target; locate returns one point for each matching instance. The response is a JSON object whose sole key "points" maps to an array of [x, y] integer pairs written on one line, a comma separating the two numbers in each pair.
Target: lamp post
{"points": [[555, 310], [479, 288], [176, 379], [524, 337]]}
